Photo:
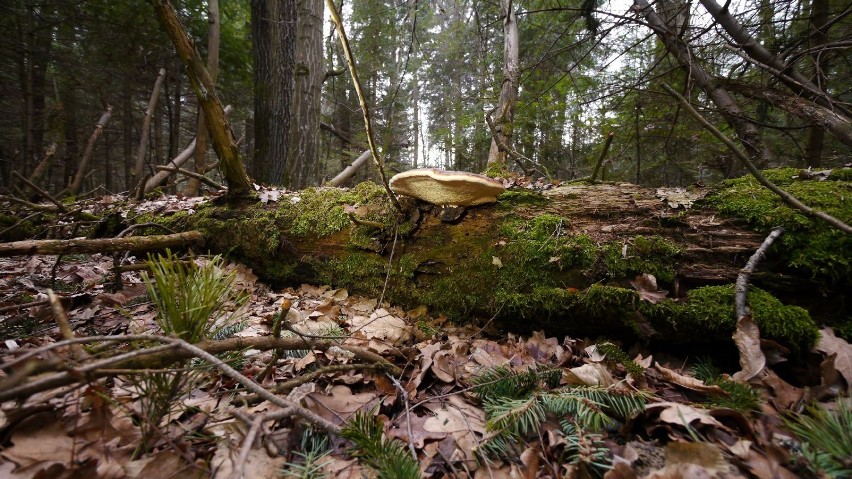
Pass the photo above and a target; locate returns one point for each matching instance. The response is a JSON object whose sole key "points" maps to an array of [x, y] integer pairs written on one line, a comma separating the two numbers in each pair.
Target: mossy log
{"points": [[562, 259]]}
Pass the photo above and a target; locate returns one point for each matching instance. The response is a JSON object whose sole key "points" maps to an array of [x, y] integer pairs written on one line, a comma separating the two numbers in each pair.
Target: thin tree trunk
{"points": [[75, 185], [174, 130], [511, 83], [177, 161], [146, 128], [230, 162], [213, 67], [127, 132], [816, 134]]}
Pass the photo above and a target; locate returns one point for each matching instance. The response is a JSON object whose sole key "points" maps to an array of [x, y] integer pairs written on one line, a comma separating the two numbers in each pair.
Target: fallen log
{"points": [[102, 245], [563, 259]]}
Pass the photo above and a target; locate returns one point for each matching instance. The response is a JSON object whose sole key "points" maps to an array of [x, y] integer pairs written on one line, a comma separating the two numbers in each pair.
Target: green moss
{"points": [[319, 211], [498, 170], [841, 174], [807, 244], [512, 198], [712, 309], [644, 254]]}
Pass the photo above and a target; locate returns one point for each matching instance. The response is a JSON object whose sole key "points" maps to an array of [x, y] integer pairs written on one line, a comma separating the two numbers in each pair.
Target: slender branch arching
{"points": [[362, 99]]}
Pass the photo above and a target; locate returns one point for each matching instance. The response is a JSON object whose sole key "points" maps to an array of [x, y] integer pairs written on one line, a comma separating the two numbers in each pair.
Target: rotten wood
{"points": [[75, 185], [101, 245]]}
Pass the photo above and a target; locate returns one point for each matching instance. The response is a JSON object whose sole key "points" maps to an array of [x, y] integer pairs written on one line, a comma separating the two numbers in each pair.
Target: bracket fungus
{"points": [[447, 188]]}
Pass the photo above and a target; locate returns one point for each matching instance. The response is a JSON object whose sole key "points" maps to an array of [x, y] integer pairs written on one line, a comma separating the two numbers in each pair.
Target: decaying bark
{"points": [[101, 245]]}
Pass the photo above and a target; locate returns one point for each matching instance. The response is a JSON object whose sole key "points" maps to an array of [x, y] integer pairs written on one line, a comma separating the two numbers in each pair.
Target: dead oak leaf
{"points": [[830, 344], [688, 382]]}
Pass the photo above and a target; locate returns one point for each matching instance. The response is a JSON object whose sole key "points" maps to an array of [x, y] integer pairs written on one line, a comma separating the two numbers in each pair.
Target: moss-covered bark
{"points": [[561, 260]]}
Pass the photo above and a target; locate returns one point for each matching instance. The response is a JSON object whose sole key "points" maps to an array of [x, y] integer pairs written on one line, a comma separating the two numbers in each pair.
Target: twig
{"points": [[16, 307], [41, 192], [64, 327], [745, 273], [362, 99], [785, 197], [601, 158], [747, 334], [248, 442], [207, 181], [404, 395], [164, 355]]}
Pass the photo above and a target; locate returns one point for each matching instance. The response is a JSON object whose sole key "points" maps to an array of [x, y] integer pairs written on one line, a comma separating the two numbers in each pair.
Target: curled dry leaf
{"points": [[589, 375], [830, 344], [688, 382], [747, 339]]}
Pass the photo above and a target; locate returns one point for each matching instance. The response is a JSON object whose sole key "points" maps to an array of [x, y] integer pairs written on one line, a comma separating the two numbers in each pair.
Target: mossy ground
{"points": [[807, 244]]}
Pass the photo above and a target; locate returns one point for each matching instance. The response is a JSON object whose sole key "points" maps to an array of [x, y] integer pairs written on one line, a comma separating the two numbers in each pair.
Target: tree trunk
{"points": [[816, 134], [273, 41], [146, 128], [747, 132], [505, 112], [230, 162], [75, 185], [213, 67], [303, 155], [177, 111]]}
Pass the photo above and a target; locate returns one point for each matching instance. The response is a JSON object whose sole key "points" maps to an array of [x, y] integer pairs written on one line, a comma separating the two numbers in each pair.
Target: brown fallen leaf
{"points": [[747, 339], [688, 382], [646, 286], [830, 344]]}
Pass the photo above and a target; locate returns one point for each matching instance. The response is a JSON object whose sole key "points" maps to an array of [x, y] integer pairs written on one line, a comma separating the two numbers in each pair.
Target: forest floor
{"points": [[656, 419]]}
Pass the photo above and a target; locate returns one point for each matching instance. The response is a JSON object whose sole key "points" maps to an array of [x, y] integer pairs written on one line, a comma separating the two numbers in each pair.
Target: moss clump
{"points": [[807, 244], [319, 211], [498, 170], [512, 198], [712, 309], [644, 254]]}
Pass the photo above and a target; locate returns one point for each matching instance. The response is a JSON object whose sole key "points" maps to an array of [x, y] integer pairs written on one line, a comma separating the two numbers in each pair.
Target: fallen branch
{"points": [[178, 161], [164, 355], [350, 170], [362, 99], [44, 194], [785, 197], [747, 334], [101, 245], [75, 185], [207, 181]]}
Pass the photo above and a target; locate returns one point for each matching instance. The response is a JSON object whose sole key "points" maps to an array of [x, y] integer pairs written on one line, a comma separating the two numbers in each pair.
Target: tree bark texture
{"points": [[816, 133], [273, 41], [511, 82], [221, 134], [303, 155]]}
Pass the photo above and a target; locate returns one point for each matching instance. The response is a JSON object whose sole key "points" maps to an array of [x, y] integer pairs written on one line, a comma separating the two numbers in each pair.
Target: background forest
{"points": [[432, 70]]}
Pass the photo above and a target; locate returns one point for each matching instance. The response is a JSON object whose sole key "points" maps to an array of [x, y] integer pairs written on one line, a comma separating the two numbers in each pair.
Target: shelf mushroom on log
{"points": [[447, 188]]}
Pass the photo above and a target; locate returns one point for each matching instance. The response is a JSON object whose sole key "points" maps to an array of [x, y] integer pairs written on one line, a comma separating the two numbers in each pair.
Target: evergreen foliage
{"points": [[615, 354], [191, 300], [387, 457], [741, 396], [826, 438], [518, 403]]}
